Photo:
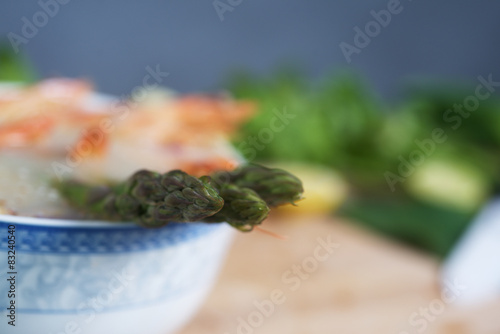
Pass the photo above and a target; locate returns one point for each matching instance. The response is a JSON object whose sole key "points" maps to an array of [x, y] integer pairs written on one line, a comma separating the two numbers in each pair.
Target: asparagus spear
{"points": [[243, 208], [241, 198], [148, 198], [275, 186]]}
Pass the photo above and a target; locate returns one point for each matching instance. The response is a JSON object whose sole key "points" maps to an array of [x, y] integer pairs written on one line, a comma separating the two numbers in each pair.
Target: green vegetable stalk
{"points": [[275, 186], [243, 208], [148, 198], [241, 198]]}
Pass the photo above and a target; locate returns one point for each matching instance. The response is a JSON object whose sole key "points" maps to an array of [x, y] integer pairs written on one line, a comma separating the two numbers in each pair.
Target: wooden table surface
{"points": [[367, 284]]}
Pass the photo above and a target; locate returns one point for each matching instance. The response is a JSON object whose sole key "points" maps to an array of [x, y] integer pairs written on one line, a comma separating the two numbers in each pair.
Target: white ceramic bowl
{"points": [[102, 278]]}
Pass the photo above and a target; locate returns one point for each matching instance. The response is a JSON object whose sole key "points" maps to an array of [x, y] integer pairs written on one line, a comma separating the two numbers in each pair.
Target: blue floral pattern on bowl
{"points": [[84, 272]]}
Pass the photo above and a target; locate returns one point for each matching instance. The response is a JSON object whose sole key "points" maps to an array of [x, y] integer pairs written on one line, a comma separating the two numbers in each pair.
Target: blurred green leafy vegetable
{"points": [[14, 67], [426, 226]]}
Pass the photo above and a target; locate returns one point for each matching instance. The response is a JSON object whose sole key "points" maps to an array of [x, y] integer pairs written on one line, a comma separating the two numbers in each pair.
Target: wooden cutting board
{"points": [[333, 277]]}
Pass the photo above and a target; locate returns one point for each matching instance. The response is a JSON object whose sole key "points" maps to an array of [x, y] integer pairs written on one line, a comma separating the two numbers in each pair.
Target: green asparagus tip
{"points": [[243, 208], [275, 186]]}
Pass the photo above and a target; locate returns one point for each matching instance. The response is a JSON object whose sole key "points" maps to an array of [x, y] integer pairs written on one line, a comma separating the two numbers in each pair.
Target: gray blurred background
{"points": [[111, 42]]}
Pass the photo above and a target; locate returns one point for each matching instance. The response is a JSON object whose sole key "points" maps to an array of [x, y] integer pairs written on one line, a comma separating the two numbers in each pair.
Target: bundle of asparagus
{"points": [[242, 197]]}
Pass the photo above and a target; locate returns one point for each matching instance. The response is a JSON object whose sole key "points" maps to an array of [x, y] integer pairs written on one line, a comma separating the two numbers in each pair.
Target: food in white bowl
{"points": [[61, 129], [76, 167]]}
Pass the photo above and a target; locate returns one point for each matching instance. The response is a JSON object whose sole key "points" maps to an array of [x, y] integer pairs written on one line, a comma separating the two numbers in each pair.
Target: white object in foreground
{"points": [[474, 262]]}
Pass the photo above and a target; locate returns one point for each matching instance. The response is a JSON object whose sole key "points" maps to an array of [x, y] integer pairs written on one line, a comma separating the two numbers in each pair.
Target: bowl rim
{"points": [[60, 222]]}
